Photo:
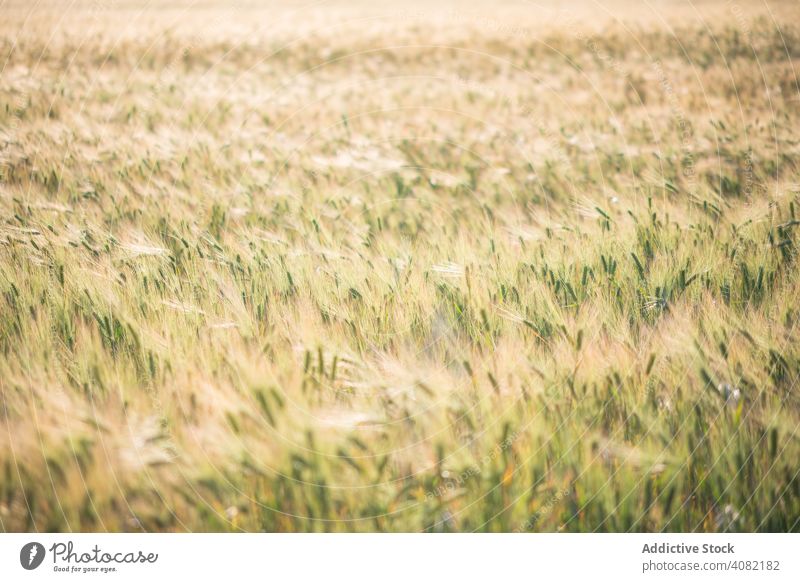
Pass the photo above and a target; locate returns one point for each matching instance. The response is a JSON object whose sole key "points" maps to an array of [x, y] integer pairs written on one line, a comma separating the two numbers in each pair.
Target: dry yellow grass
{"points": [[407, 267]]}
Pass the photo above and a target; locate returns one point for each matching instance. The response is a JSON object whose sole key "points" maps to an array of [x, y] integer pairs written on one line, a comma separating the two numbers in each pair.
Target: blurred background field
{"points": [[399, 266]]}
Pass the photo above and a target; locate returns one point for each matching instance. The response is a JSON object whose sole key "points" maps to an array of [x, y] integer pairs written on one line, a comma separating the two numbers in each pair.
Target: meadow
{"points": [[399, 267]]}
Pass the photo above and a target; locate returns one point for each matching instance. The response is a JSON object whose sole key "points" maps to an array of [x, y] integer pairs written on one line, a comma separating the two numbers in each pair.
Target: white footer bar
{"points": [[399, 557]]}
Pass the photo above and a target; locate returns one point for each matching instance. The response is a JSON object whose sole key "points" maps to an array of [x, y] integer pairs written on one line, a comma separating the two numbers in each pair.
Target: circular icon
{"points": [[31, 555]]}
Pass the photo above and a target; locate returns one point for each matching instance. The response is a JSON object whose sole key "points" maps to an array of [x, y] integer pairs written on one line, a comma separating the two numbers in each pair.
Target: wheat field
{"points": [[399, 266]]}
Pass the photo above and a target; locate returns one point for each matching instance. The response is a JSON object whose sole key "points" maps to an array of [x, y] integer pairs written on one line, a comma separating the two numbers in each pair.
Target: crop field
{"points": [[399, 266]]}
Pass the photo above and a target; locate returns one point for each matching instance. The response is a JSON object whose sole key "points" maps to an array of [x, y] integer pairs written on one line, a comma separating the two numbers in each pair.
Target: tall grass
{"points": [[259, 282]]}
